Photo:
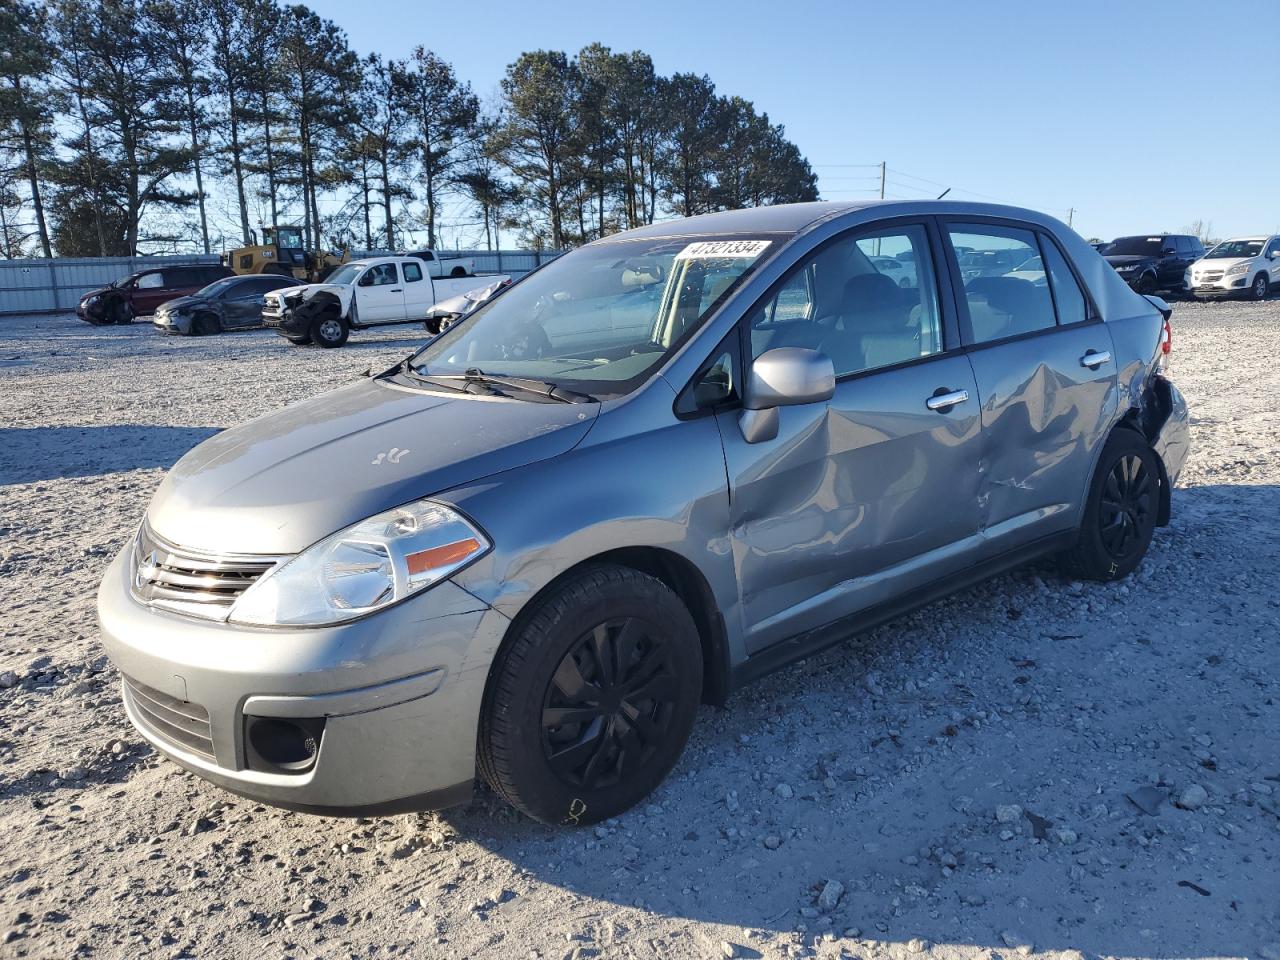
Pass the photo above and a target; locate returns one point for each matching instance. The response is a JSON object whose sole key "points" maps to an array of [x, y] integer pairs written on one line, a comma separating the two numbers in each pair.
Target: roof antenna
{"points": [[944, 193]]}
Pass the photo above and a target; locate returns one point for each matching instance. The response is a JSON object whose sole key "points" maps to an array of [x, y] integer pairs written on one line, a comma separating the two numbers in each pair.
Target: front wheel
{"points": [[330, 330], [1146, 284], [206, 324], [1120, 513], [590, 704], [1261, 287]]}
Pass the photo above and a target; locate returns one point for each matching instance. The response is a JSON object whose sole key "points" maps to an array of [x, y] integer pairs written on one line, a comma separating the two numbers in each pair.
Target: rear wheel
{"points": [[1120, 512], [330, 330], [458, 272], [1261, 287], [590, 705]]}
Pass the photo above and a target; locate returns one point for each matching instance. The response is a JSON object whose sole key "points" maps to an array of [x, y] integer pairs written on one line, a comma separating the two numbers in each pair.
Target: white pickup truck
{"points": [[360, 294], [443, 265]]}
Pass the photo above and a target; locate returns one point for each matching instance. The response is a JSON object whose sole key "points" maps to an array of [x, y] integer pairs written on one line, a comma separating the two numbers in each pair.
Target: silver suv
{"points": [[660, 466]]}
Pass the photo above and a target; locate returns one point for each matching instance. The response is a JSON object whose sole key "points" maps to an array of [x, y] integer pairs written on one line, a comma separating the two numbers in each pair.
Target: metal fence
{"points": [[54, 286]]}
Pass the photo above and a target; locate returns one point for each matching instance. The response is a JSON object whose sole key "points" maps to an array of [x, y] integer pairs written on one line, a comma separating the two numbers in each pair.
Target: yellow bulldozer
{"points": [[282, 252]]}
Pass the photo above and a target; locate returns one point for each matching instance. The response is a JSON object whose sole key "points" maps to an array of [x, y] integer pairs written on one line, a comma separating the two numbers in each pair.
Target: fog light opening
{"points": [[279, 745]]}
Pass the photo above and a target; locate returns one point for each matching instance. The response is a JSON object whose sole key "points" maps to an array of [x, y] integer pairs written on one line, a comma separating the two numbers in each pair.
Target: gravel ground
{"points": [[956, 784]]}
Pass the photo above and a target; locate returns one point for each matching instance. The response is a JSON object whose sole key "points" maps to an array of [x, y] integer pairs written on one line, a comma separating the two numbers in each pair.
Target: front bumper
{"points": [[179, 323], [398, 694], [285, 322], [1219, 286]]}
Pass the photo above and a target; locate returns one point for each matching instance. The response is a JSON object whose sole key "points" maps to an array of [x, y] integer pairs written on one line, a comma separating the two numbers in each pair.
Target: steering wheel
{"points": [[528, 342]]}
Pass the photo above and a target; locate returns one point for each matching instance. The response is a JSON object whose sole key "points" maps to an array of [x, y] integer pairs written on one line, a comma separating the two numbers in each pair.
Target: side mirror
{"points": [[1274, 254], [1168, 251], [783, 377], [366, 280]]}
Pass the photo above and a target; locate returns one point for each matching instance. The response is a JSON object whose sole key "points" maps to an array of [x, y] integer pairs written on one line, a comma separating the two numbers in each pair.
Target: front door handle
{"points": [[944, 401], [397, 290], [1094, 359]]}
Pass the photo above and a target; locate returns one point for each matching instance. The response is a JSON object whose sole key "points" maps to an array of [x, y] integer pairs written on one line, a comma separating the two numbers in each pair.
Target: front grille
{"points": [[200, 585], [1209, 276], [181, 723]]}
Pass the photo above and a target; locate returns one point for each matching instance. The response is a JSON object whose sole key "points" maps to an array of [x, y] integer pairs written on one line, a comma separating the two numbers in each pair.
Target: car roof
{"points": [[792, 219]]}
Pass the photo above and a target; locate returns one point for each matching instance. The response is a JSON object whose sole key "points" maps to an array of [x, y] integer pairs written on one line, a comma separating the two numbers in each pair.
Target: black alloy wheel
{"points": [[1121, 511], [1127, 507], [592, 697], [609, 704]]}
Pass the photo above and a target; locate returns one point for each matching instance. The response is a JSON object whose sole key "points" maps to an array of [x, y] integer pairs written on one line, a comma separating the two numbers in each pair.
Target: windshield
{"points": [[1134, 247], [1234, 249], [598, 320], [345, 274]]}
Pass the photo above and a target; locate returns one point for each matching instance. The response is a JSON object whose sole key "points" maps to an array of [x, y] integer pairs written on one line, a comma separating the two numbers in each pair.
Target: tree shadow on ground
{"points": [[31, 454]]}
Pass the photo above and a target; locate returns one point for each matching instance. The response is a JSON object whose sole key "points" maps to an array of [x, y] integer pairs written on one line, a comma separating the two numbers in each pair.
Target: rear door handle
{"points": [[1094, 359], [942, 402]]}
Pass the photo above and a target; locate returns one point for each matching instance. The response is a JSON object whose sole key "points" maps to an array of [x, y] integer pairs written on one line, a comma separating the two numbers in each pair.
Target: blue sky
{"points": [[1142, 116]]}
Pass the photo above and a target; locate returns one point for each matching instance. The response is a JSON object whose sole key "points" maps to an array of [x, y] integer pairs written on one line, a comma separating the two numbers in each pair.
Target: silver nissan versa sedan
{"points": [[658, 467]]}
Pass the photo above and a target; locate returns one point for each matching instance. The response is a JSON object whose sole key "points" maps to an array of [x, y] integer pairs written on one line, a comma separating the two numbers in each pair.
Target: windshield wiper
{"points": [[542, 387], [478, 378]]}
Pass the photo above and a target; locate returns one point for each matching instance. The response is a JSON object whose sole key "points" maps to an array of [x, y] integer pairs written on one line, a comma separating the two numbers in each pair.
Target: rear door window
{"points": [[1067, 295], [1001, 299], [412, 271]]}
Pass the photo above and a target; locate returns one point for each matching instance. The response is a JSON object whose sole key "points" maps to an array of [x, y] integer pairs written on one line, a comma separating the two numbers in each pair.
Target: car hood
{"points": [[1220, 263], [94, 293], [287, 479], [1124, 260], [180, 304]]}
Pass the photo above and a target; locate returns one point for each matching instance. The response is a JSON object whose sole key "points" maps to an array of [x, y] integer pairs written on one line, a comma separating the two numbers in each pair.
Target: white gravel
{"points": [[860, 803]]}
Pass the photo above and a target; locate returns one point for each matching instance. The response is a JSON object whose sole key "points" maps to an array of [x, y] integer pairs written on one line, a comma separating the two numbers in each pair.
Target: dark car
{"points": [[1153, 262], [232, 303], [139, 294]]}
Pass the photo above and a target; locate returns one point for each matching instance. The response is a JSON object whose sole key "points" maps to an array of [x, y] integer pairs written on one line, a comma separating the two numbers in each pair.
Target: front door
{"points": [[874, 492], [244, 302], [1046, 385], [379, 294], [149, 291]]}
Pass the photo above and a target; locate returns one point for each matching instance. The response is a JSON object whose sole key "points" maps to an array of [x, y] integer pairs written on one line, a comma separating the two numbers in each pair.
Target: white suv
{"points": [[1245, 265]]}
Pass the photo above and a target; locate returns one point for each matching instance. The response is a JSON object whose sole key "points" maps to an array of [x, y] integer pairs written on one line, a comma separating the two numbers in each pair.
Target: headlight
{"points": [[368, 566], [1127, 267], [1237, 269], [90, 301]]}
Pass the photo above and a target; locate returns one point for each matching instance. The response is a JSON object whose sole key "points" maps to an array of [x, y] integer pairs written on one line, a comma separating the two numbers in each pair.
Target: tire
{"points": [[330, 330], [1260, 287], [299, 341], [205, 324], [1146, 284], [457, 272], [1121, 510], [549, 747]]}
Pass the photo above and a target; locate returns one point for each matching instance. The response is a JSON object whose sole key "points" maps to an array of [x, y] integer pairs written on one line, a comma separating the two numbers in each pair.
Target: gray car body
{"points": [[238, 308], [859, 508]]}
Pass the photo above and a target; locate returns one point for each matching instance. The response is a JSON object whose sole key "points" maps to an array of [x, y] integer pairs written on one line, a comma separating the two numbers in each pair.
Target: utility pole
{"points": [[882, 173], [1071, 215]]}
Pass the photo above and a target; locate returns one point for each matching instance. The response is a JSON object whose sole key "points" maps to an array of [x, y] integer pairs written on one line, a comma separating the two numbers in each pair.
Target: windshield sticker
{"points": [[737, 249]]}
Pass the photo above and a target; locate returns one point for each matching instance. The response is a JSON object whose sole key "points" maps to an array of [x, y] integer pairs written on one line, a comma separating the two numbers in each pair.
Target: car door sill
{"points": [[811, 641]]}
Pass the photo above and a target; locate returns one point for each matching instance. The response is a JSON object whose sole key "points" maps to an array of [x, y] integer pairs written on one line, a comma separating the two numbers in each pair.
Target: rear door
{"points": [[1046, 381], [380, 295], [418, 297], [243, 302], [873, 493]]}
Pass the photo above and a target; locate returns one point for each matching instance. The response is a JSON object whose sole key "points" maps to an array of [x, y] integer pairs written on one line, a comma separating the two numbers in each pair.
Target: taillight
{"points": [[1166, 338]]}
